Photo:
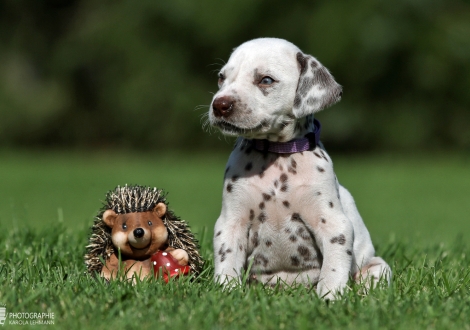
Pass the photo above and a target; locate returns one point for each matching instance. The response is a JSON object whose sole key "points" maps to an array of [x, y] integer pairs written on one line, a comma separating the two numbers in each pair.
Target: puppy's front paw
{"points": [[373, 272], [329, 292], [227, 281]]}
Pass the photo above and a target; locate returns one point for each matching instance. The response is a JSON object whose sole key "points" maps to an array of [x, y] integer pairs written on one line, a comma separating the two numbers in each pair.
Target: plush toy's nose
{"points": [[138, 233]]}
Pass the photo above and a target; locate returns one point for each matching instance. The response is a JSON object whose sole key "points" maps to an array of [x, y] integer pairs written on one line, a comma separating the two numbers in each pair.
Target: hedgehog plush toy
{"points": [[136, 235]]}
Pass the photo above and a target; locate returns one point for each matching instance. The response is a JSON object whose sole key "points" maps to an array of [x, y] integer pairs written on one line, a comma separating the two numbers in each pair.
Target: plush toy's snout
{"points": [[139, 238]]}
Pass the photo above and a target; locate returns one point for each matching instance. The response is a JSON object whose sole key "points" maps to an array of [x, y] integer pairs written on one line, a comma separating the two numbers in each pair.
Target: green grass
{"points": [[415, 207]]}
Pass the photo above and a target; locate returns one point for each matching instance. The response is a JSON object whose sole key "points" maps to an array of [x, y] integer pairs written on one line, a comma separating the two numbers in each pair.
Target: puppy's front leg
{"points": [[230, 240], [335, 237]]}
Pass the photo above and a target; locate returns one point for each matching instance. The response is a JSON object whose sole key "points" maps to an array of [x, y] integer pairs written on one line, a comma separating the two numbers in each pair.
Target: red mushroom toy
{"points": [[164, 264]]}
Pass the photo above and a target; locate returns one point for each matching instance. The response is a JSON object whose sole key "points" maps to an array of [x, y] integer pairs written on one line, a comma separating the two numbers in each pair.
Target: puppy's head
{"points": [[268, 85]]}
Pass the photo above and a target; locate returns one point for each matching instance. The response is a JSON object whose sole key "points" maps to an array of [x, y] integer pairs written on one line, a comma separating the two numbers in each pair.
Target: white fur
{"points": [[285, 216]]}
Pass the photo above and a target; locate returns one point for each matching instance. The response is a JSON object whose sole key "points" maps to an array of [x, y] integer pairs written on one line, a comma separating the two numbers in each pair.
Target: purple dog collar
{"points": [[298, 145]]}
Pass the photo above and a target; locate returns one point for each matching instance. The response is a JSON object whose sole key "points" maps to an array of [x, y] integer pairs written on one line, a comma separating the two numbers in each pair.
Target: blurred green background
{"points": [[95, 94], [124, 73]]}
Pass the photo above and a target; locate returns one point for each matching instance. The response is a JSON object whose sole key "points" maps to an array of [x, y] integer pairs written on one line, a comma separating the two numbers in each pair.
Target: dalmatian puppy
{"points": [[285, 219]]}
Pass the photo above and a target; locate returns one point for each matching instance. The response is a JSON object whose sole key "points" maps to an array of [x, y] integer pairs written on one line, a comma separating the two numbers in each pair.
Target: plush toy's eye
{"points": [[266, 81], [124, 226], [150, 223]]}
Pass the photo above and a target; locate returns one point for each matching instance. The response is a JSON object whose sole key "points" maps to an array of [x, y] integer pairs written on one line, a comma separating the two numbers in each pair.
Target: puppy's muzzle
{"points": [[223, 106]]}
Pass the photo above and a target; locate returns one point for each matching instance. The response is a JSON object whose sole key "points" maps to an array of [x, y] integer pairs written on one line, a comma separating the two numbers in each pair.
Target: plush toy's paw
{"points": [[180, 255]]}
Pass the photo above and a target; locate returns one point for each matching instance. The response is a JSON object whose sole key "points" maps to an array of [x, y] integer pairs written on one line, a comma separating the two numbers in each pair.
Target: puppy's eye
{"points": [[266, 81], [221, 78], [124, 226], [150, 223]]}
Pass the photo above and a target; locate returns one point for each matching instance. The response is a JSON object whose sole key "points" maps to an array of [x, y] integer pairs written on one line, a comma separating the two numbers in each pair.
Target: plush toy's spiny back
{"points": [[129, 199]]}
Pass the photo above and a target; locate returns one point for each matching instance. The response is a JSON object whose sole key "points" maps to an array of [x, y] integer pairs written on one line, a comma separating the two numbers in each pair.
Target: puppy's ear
{"points": [[109, 218], [316, 89]]}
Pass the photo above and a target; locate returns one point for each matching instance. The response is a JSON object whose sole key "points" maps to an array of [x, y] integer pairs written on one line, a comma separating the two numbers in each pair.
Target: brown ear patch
{"points": [[109, 218], [316, 87], [160, 209]]}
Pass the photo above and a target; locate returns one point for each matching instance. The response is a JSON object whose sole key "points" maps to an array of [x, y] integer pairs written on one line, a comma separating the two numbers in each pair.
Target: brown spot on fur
{"points": [[229, 187], [295, 261], [331, 204], [263, 90], [291, 170], [293, 163], [235, 178], [297, 102], [303, 250], [286, 204], [260, 259], [349, 252], [218, 233], [293, 238], [222, 252], [305, 84], [323, 220], [338, 239], [255, 239], [262, 217], [302, 62], [268, 243], [318, 193], [320, 169], [252, 214], [302, 233], [284, 124], [311, 101], [287, 230], [276, 183], [261, 205], [261, 174], [266, 197], [323, 154], [296, 217]]}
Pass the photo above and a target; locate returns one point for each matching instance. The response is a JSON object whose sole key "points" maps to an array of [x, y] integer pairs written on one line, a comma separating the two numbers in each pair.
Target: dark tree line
{"points": [[127, 73]]}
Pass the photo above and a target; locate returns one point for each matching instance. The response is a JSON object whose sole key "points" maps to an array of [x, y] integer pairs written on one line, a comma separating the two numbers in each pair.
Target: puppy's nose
{"points": [[223, 106], [138, 233]]}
